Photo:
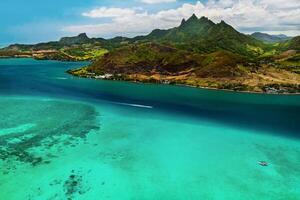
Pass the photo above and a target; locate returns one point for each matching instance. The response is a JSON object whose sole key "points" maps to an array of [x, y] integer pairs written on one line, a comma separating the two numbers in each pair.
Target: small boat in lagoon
{"points": [[263, 163]]}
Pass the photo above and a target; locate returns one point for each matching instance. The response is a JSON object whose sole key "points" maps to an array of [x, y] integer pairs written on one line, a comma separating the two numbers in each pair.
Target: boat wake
{"points": [[134, 105], [61, 78]]}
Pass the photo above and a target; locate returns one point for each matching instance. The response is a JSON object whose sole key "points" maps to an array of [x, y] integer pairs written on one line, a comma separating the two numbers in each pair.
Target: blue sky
{"points": [[36, 20]]}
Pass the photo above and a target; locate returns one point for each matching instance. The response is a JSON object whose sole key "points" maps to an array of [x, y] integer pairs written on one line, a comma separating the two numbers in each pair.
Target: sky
{"points": [[33, 21]]}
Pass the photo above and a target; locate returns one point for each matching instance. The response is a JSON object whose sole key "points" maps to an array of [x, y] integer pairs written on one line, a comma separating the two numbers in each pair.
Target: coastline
{"points": [[71, 72], [69, 59], [183, 85], [41, 59]]}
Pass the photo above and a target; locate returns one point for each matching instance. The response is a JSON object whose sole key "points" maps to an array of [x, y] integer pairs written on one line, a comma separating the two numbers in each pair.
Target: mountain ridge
{"points": [[205, 35], [264, 37], [196, 34], [200, 35]]}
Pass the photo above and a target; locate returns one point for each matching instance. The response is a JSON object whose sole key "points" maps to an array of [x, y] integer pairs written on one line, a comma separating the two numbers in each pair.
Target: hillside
{"points": [[294, 44], [289, 58], [148, 58], [264, 37], [145, 58]]}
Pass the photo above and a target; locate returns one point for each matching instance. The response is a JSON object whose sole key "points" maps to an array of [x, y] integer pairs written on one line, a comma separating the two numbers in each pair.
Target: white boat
{"points": [[263, 163]]}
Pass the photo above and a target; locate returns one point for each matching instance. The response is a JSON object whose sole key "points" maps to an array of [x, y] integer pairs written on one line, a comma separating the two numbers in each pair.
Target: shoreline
{"points": [[36, 58], [157, 83], [184, 85]]}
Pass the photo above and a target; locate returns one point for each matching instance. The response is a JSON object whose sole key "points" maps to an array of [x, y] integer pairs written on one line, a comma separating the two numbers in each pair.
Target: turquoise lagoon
{"points": [[63, 137]]}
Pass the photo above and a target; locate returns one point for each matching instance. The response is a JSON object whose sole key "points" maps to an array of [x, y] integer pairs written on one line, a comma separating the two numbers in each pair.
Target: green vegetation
{"points": [[295, 43], [81, 72]]}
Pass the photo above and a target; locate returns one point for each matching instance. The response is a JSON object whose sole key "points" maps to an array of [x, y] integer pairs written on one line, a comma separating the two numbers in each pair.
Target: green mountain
{"points": [[189, 47], [264, 37], [77, 48], [192, 29], [204, 36], [199, 53], [81, 39]]}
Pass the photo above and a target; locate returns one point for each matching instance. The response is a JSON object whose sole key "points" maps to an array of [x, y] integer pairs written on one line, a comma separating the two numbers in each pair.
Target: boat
{"points": [[263, 163]]}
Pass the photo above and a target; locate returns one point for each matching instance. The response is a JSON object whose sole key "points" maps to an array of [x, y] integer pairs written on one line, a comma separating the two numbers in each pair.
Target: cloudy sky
{"points": [[35, 20]]}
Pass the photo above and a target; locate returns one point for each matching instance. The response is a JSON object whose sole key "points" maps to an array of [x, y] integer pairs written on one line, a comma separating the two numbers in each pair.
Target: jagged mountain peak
{"points": [[82, 35], [183, 21], [204, 19], [192, 20], [81, 38], [193, 17], [202, 29], [195, 22]]}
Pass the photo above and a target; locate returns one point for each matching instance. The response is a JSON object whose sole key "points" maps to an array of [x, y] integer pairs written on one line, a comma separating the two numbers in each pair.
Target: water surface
{"points": [[63, 137]]}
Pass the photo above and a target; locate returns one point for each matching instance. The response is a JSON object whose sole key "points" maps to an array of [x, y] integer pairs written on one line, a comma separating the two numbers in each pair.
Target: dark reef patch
{"points": [[33, 131], [74, 185]]}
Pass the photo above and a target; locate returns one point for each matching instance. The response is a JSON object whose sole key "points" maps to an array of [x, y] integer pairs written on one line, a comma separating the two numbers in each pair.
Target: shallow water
{"points": [[69, 138]]}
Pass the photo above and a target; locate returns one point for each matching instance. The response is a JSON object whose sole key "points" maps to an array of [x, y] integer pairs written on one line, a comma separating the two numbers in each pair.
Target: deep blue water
{"points": [[277, 114]]}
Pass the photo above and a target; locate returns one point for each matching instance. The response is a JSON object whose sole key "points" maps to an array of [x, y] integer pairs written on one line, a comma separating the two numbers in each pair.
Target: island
{"points": [[197, 53]]}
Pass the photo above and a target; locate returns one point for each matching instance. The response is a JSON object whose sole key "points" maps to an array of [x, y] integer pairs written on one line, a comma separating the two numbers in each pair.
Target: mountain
{"points": [[63, 42], [189, 29], [198, 46], [199, 35], [204, 36], [198, 53], [264, 37], [77, 48]]}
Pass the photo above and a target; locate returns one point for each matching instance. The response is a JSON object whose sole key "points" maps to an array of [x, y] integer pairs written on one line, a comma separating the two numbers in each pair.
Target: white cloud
{"points": [[245, 15], [157, 1], [109, 12]]}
